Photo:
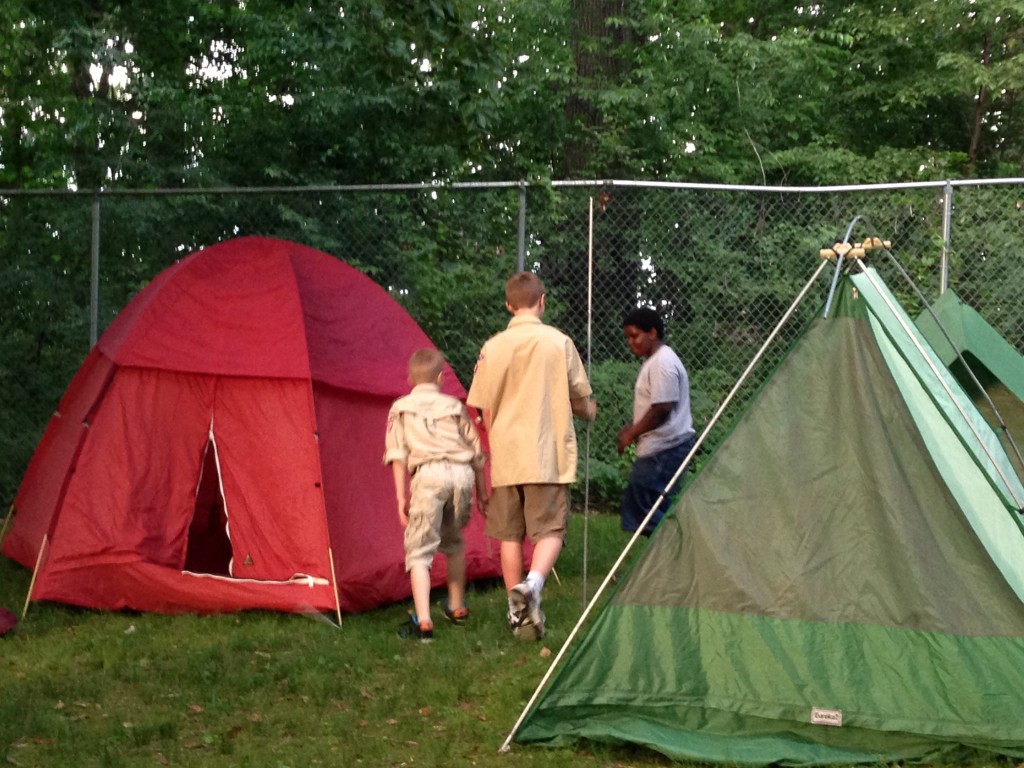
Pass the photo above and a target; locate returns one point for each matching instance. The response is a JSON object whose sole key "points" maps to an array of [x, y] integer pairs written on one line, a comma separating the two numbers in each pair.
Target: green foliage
{"points": [[167, 94], [777, 93], [612, 382]]}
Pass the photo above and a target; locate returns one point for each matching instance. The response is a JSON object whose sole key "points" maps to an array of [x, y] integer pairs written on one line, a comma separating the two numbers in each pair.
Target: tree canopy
{"points": [[171, 93], [119, 95]]}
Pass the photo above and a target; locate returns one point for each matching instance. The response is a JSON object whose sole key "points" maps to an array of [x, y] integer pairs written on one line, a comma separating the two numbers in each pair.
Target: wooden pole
{"points": [[334, 585], [7, 521], [35, 573]]}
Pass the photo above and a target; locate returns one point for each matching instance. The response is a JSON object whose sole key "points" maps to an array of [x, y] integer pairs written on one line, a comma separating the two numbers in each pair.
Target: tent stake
{"points": [[334, 585], [7, 521], [35, 573]]}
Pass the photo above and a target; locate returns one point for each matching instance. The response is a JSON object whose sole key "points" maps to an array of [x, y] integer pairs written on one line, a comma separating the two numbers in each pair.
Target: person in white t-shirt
{"points": [[662, 425]]}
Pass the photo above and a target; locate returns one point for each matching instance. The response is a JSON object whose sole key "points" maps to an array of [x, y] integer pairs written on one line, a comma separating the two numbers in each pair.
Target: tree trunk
{"points": [[594, 43], [981, 103]]}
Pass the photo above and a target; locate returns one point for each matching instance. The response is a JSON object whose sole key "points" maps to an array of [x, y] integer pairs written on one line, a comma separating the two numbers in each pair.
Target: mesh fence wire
{"points": [[723, 265]]}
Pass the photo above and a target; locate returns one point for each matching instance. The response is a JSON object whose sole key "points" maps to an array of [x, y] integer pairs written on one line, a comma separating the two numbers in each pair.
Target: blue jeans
{"points": [[647, 480]]}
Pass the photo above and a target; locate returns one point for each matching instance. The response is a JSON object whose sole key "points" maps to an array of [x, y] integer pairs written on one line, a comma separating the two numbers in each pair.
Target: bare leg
{"points": [[420, 577], [545, 555], [457, 581], [511, 563]]}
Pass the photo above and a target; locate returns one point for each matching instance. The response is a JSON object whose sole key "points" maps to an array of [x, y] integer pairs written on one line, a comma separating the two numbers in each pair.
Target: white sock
{"points": [[536, 582]]}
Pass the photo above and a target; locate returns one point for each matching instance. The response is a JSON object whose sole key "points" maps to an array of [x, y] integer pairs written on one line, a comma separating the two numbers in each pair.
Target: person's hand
{"points": [[482, 500], [626, 437], [403, 512], [584, 408]]}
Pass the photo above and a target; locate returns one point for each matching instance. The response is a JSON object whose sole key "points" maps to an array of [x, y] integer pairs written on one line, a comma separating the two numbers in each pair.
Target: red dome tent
{"points": [[220, 448]]}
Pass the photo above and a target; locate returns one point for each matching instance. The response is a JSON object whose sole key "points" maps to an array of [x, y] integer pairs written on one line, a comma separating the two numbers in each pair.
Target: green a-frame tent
{"points": [[842, 582]]}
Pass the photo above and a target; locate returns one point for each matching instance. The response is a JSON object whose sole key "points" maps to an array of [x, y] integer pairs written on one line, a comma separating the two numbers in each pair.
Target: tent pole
{"points": [[590, 351], [7, 521], [636, 535], [35, 573], [334, 584], [839, 264]]}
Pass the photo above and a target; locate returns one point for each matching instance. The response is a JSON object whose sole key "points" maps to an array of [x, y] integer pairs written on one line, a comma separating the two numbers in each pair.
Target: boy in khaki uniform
{"points": [[431, 437], [529, 382]]}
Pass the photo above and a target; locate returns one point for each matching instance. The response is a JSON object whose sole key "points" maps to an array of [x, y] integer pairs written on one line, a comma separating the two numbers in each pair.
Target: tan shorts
{"points": [[537, 510], [440, 503]]}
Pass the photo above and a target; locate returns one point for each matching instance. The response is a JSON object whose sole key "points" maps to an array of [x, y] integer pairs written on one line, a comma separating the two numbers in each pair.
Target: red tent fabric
{"points": [[221, 447], [8, 621]]}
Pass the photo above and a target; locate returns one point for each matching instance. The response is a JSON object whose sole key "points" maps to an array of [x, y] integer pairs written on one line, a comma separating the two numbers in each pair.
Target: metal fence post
{"points": [[947, 226], [94, 279], [521, 243]]}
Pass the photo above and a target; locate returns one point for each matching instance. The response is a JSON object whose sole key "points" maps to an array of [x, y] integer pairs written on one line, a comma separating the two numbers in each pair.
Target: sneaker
{"points": [[459, 616], [414, 629], [523, 627], [527, 602]]}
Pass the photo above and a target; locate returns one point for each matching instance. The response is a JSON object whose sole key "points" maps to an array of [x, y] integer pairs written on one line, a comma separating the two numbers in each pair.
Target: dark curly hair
{"points": [[645, 319]]}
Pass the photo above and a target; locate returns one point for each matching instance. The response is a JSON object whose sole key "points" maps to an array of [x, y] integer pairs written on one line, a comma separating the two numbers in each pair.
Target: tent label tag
{"points": [[833, 717]]}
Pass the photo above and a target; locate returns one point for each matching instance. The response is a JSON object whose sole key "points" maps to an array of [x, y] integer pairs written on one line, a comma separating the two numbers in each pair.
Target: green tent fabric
{"points": [[953, 327], [843, 582]]}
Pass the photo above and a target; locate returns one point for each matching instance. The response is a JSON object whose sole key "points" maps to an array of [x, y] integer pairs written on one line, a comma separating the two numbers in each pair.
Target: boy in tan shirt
{"points": [[431, 437], [530, 382]]}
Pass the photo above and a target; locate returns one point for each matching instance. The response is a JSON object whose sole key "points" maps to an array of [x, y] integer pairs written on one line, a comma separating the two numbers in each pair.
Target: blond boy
{"points": [[431, 438]]}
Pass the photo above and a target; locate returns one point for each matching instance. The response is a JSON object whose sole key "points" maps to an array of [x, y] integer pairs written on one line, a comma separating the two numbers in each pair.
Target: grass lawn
{"points": [[86, 688]]}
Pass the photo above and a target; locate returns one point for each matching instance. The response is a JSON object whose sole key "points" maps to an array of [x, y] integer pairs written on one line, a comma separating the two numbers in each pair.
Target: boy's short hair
{"points": [[523, 289], [425, 366], [646, 319]]}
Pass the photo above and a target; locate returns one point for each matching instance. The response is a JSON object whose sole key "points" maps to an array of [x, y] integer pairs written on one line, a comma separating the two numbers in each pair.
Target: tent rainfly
{"points": [[843, 581], [977, 354], [221, 447]]}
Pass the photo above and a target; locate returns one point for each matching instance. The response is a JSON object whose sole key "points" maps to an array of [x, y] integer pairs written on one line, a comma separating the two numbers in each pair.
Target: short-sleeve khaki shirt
{"points": [[428, 425], [525, 378]]}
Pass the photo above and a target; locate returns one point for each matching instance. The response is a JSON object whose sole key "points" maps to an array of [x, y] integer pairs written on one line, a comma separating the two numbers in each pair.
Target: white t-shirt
{"points": [[663, 379]]}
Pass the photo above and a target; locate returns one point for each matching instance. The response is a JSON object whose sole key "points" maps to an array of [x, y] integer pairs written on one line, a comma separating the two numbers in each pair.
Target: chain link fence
{"points": [[723, 265]]}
